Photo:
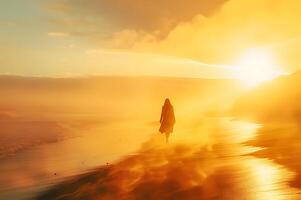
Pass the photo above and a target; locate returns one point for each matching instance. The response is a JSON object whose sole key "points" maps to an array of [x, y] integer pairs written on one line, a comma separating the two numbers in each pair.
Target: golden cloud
{"points": [[222, 37], [136, 14], [211, 31]]}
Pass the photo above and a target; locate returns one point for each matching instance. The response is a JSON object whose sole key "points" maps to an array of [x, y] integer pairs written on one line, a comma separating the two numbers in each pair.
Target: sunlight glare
{"points": [[256, 66]]}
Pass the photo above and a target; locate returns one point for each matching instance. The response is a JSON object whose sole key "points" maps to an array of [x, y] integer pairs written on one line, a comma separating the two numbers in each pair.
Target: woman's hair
{"points": [[167, 102]]}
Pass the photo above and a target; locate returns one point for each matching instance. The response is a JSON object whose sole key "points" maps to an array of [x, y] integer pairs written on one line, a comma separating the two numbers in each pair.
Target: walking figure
{"points": [[167, 119]]}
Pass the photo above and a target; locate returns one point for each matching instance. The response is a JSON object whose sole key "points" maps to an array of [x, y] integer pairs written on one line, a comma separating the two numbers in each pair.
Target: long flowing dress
{"points": [[167, 119]]}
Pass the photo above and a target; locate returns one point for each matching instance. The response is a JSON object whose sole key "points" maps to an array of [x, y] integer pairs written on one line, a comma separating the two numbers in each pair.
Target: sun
{"points": [[257, 65]]}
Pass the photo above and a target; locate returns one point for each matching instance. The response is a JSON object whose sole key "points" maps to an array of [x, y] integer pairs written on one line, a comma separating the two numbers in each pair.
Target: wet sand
{"points": [[281, 142], [30, 171], [210, 160]]}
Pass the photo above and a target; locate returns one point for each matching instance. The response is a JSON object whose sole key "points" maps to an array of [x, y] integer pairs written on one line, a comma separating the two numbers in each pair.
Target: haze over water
{"points": [[120, 148]]}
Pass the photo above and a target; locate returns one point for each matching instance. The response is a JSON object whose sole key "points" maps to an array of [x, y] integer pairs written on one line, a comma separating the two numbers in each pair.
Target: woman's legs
{"points": [[167, 137]]}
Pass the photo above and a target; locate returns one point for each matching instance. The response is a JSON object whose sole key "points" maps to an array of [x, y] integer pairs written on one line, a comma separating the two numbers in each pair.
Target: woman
{"points": [[167, 119]]}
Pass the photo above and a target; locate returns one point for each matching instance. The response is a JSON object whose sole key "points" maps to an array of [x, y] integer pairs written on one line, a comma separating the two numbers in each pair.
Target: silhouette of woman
{"points": [[167, 119]]}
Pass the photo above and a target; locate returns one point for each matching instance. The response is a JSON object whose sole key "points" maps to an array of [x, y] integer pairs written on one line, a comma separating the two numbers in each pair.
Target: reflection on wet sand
{"points": [[211, 163], [274, 138], [28, 171]]}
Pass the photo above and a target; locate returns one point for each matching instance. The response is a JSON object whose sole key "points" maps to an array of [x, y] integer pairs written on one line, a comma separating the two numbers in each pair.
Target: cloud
{"points": [[209, 31], [136, 14], [70, 22], [58, 34], [6, 23], [57, 7], [236, 27], [152, 64], [127, 38]]}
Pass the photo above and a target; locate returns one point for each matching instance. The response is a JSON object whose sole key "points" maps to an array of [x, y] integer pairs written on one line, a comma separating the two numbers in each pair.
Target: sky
{"points": [[194, 38]]}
